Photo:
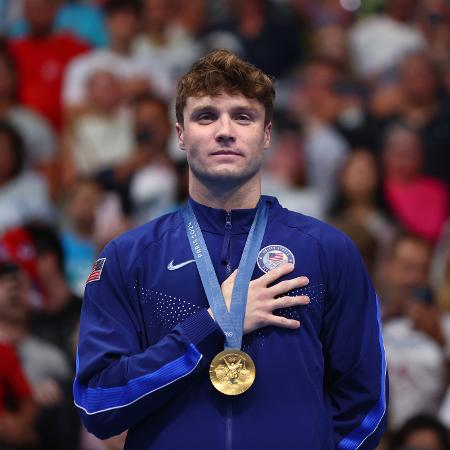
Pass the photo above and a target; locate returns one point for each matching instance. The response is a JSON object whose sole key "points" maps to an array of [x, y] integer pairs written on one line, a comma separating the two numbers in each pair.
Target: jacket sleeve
{"points": [[355, 364], [119, 380]]}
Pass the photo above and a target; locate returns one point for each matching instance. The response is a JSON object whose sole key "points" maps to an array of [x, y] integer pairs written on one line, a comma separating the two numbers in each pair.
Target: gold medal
{"points": [[232, 372]]}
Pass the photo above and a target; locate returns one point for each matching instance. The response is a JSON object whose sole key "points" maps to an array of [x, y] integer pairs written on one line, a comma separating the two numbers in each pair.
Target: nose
{"points": [[225, 134]]}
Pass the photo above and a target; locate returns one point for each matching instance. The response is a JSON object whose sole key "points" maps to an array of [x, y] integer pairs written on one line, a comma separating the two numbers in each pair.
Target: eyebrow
{"points": [[211, 108]]}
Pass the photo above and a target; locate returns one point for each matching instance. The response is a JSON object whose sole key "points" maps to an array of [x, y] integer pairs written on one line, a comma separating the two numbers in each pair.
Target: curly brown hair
{"points": [[222, 71]]}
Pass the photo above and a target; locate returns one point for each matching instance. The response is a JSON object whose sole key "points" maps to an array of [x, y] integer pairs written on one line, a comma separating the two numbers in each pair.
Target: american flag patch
{"points": [[276, 256], [96, 270]]}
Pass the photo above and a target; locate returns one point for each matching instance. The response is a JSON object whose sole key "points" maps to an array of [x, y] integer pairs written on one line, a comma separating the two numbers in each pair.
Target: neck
{"points": [[221, 196]]}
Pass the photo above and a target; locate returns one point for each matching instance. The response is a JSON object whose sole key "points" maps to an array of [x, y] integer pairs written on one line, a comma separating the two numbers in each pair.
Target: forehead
{"points": [[222, 101]]}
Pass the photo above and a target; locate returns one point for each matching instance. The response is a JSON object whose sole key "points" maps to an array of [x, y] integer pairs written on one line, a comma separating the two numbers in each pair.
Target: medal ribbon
{"points": [[231, 322]]}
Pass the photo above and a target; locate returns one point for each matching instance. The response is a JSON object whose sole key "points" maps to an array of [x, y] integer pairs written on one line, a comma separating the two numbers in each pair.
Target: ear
{"points": [[267, 135], [180, 134]]}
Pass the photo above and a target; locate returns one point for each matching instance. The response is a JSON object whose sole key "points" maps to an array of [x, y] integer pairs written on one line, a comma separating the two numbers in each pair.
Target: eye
{"points": [[205, 118], [244, 118]]}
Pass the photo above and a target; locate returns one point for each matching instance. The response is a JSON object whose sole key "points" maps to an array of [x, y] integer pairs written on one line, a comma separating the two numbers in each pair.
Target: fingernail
{"points": [[307, 299]]}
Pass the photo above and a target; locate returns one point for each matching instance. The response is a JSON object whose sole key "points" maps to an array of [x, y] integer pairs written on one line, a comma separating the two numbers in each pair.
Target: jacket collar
{"points": [[213, 220]]}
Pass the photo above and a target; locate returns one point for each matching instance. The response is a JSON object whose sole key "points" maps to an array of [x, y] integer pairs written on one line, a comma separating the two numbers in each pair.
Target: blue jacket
{"points": [[146, 342]]}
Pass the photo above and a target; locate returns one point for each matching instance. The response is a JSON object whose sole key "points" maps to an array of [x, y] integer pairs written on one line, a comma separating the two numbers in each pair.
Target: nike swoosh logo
{"points": [[172, 266]]}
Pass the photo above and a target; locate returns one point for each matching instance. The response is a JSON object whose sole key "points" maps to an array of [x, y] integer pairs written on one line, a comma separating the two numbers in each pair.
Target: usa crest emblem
{"points": [[273, 256]]}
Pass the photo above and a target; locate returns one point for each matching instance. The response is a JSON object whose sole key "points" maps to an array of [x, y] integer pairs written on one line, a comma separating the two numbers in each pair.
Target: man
{"points": [[148, 332]]}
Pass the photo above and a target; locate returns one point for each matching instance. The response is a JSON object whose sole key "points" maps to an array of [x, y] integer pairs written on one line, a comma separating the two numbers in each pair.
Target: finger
{"points": [[289, 301], [288, 285], [283, 322], [231, 279], [276, 273]]}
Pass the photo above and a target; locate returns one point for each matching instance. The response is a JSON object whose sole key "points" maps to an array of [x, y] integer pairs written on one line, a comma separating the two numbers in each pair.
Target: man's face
{"points": [[224, 137]]}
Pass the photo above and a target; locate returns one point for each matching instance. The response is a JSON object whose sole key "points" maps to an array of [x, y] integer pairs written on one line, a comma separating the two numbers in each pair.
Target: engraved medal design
{"points": [[232, 372]]}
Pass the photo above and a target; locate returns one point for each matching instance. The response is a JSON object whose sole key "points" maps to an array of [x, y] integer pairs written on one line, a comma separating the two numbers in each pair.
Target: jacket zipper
{"points": [[226, 247], [229, 425], [226, 258]]}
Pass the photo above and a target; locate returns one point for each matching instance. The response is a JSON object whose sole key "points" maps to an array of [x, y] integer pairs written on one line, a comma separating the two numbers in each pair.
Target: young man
{"points": [[149, 332]]}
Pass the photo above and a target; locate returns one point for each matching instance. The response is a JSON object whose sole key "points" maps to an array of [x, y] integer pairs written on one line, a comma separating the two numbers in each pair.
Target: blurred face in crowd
{"points": [[408, 266], [14, 296], [418, 80], [104, 92], [157, 14], [224, 137], [320, 77], [83, 203], [331, 42], [359, 177], [122, 25], [192, 15], [425, 439], [40, 15], [402, 154], [152, 124], [286, 162]]}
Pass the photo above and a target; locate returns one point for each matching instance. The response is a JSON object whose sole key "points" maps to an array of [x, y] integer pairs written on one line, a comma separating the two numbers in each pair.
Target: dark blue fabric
{"points": [[317, 387], [99, 399], [375, 416]]}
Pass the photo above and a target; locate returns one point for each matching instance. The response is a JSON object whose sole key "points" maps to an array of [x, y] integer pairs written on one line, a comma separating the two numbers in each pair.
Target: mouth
{"points": [[226, 153]]}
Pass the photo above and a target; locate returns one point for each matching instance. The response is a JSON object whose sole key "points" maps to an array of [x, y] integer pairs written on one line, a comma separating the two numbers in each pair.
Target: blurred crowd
{"points": [[361, 139]]}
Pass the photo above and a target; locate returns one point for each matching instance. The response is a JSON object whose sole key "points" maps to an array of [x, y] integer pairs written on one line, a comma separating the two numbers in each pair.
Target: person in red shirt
{"points": [[41, 58], [17, 409], [420, 203]]}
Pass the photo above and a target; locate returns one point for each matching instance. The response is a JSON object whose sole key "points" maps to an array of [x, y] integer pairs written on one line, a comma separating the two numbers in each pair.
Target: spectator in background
{"points": [[41, 58], [433, 18], [164, 42], [37, 134], [102, 138], [417, 349], [135, 74], [422, 432], [316, 106], [378, 42], [407, 265], [268, 38], [78, 232], [45, 367], [420, 203], [23, 193], [359, 201], [330, 42], [417, 100], [80, 17], [154, 186], [57, 320], [90, 218], [284, 174], [17, 409]]}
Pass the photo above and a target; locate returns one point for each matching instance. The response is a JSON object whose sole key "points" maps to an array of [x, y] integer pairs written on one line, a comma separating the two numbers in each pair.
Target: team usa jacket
{"points": [[146, 342]]}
